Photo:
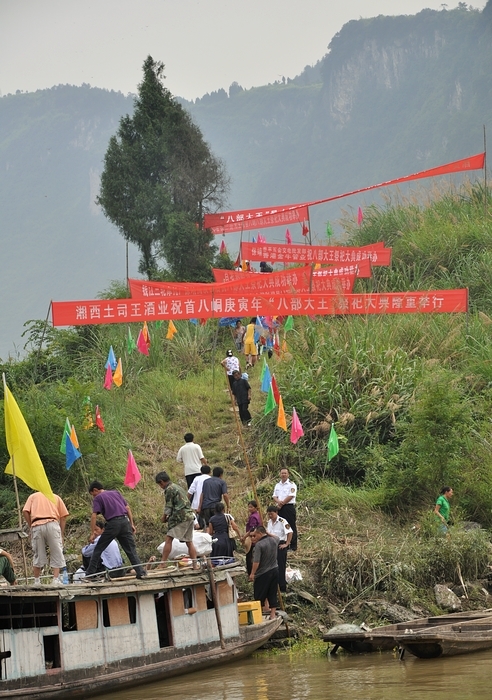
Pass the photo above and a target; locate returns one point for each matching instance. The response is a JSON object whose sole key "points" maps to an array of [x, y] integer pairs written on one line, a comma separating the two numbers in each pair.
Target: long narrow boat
{"points": [[383, 638], [90, 638], [447, 640]]}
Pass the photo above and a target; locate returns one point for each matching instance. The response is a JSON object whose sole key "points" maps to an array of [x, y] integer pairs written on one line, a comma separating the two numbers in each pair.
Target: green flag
{"points": [[158, 324], [270, 402], [289, 323], [131, 345], [332, 443], [329, 230], [66, 431]]}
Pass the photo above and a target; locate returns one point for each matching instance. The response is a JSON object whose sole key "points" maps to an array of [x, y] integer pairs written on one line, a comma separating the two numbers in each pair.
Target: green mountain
{"points": [[393, 96]]}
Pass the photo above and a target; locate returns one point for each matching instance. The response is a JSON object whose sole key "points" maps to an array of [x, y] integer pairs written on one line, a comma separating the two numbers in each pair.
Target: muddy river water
{"points": [[287, 676]]}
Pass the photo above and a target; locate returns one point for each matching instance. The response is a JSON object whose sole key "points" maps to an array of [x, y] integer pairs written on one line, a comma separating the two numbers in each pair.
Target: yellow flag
{"points": [[171, 330], [281, 422], [118, 374], [24, 456], [73, 437]]}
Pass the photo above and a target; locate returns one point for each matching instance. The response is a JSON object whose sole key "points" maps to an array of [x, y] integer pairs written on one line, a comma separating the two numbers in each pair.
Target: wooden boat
{"points": [[383, 638], [447, 640], [88, 638]]}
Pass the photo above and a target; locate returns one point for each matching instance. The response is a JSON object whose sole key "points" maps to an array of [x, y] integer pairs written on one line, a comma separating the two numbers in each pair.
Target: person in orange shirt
{"points": [[47, 522]]}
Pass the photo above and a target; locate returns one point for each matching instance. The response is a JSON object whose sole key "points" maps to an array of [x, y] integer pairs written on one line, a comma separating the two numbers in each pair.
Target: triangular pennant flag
{"points": [[141, 344], [276, 344], [222, 249], [288, 237], [281, 420], [296, 430], [275, 390], [263, 369], [360, 216], [88, 422], [270, 402], [72, 454], [111, 361], [130, 343], [285, 347], [305, 230], [158, 324], [145, 333], [171, 330], [289, 323], [333, 448], [237, 262], [99, 420], [261, 239], [118, 374], [267, 380], [132, 476], [329, 230], [22, 450], [254, 240], [108, 379], [66, 431], [73, 437]]}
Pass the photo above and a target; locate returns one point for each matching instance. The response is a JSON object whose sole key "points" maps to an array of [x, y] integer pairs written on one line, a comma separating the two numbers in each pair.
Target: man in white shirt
{"points": [[282, 530], [195, 491], [110, 557], [192, 457], [284, 495]]}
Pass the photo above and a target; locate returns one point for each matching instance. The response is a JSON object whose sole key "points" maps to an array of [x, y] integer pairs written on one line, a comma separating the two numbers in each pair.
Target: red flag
{"points": [[141, 344], [99, 420], [108, 381], [261, 239], [223, 248], [276, 392], [132, 476], [305, 230], [360, 216], [288, 237], [238, 261]]}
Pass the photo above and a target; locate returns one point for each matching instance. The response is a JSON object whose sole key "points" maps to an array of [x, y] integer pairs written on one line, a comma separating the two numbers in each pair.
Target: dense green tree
{"points": [[159, 179]]}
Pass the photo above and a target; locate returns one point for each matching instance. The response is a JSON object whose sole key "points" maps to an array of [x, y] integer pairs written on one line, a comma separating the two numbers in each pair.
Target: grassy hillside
{"points": [[410, 397]]}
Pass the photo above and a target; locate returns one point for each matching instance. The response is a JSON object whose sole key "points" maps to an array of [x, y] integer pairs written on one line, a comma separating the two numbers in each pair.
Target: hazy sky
{"points": [[205, 44]]}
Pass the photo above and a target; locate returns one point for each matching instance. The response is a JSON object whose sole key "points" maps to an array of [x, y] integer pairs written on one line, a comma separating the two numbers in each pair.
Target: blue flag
{"points": [[72, 453], [111, 361], [266, 381]]}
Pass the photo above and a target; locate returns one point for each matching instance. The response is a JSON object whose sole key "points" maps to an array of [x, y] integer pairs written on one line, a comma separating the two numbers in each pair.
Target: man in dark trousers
{"points": [[119, 526], [284, 495], [213, 490], [242, 393], [264, 572]]}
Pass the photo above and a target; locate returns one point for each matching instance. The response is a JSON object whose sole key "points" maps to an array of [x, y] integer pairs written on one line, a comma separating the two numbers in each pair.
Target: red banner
{"points": [[361, 269], [276, 252], [228, 222], [79, 313], [248, 219], [299, 279]]}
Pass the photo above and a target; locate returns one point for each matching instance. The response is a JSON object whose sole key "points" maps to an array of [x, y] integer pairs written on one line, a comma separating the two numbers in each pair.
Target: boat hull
{"points": [[135, 671], [448, 640]]}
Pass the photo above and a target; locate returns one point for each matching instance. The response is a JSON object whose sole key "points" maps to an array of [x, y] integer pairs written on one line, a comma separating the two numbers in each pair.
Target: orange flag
{"points": [[171, 330], [73, 437], [281, 421], [118, 374], [145, 332]]}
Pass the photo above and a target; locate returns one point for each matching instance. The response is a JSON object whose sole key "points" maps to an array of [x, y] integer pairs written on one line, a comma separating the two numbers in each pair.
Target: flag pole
{"points": [[485, 172], [19, 513]]}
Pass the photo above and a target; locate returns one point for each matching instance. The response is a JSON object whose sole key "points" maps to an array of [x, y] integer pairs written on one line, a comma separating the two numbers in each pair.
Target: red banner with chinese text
{"points": [[361, 269], [277, 252], [78, 313], [228, 222], [300, 279]]}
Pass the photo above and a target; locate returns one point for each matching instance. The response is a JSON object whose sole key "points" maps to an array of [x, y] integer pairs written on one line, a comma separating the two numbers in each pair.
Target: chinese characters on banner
{"points": [[275, 252], [77, 313], [294, 280], [361, 269]]}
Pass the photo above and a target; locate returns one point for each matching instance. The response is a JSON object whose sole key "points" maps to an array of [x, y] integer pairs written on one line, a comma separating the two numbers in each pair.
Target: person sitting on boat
{"points": [[110, 557], [179, 517], [7, 567], [442, 508], [119, 526], [218, 529]]}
